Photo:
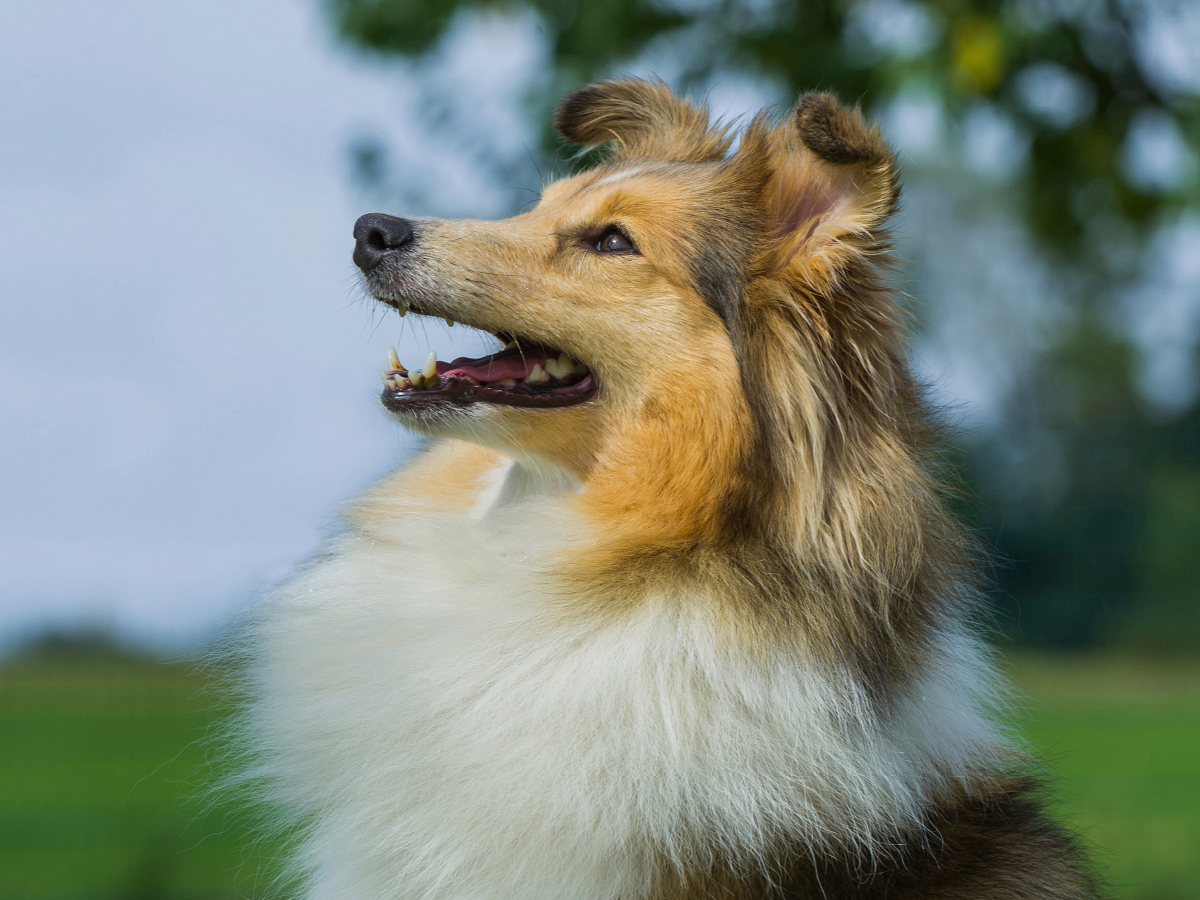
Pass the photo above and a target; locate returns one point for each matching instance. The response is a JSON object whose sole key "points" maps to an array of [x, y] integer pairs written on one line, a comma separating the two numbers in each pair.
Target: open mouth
{"points": [[517, 375]]}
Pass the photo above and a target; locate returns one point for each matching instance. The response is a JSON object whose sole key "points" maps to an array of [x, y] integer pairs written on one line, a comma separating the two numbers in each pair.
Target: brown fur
{"points": [[759, 439], [990, 842]]}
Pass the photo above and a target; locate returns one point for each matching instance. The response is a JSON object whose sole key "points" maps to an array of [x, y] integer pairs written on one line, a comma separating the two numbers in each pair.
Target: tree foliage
{"points": [[1070, 74]]}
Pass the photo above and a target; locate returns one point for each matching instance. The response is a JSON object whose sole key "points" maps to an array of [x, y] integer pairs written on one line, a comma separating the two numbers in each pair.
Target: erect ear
{"points": [[642, 119], [832, 184]]}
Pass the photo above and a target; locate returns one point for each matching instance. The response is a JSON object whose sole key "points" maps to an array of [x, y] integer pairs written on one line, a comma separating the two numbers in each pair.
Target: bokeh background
{"points": [[188, 369]]}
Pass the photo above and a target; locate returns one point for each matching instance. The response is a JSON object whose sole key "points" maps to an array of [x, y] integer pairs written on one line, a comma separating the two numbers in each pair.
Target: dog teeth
{"points": [[394, 382], [553, 369], [394, 360], [449, 321], [509, 345], [537, 375], [560, 368], [426, 377], [505, 384]]}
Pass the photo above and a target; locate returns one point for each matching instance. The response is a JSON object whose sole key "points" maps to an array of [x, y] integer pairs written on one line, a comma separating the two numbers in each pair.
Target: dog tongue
{"points": [[492, 369]]}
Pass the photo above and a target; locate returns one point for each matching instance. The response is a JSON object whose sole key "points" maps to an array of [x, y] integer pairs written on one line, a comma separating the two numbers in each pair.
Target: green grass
{"points": [[102, 767], [1123, 736], [101, 761]]}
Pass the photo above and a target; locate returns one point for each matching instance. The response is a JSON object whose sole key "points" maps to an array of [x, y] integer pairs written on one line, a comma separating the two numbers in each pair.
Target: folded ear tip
{"points": [[593, 114], [641, 117], [837, 134], [574, 113]]}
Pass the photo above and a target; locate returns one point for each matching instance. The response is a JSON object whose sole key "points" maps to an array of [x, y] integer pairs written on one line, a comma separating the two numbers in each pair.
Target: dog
{"points": [[670, 605]]}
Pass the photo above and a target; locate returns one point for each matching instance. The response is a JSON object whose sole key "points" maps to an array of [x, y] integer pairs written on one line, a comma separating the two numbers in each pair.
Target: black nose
{"points": [[377, 235]]}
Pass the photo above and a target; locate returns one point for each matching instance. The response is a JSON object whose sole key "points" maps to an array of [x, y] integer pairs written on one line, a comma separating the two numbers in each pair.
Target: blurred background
{"points": [[189, 370]]}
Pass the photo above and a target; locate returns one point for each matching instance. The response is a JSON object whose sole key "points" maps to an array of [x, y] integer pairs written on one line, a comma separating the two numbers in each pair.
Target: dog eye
{"points": [[614, 240]]}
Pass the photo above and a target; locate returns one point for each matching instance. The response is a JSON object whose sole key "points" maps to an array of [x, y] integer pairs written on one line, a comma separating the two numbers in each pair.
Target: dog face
{"points": [[624, 295], [591, 293]]}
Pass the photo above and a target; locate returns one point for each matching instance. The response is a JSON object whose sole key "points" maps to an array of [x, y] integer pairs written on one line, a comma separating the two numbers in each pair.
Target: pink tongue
{"points": [[510, 367]]}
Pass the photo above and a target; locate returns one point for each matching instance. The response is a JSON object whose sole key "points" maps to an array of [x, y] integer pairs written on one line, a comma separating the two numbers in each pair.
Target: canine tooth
{"points": [[508, 345], [537, 375], [394, 360], [430, 367], [449, 321]]}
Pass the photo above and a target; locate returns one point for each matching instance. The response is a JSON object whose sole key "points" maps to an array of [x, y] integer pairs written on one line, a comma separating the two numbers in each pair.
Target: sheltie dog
{"points": [[670, 606]]}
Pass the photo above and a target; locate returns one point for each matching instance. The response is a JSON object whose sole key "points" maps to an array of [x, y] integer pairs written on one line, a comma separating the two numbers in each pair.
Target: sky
{"points": [[190, 372], [189, 369]]}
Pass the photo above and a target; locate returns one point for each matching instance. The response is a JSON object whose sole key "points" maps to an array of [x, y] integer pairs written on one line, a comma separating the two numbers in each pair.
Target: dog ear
{"points": [[642, 119], [832, 183]]}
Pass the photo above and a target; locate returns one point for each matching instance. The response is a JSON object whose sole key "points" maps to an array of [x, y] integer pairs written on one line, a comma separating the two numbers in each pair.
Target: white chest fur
{"points": [[448, 733]]}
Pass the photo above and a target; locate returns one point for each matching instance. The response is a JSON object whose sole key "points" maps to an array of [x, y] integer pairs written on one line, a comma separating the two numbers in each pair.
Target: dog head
{"points": [[677, 309], [705, 340]]}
